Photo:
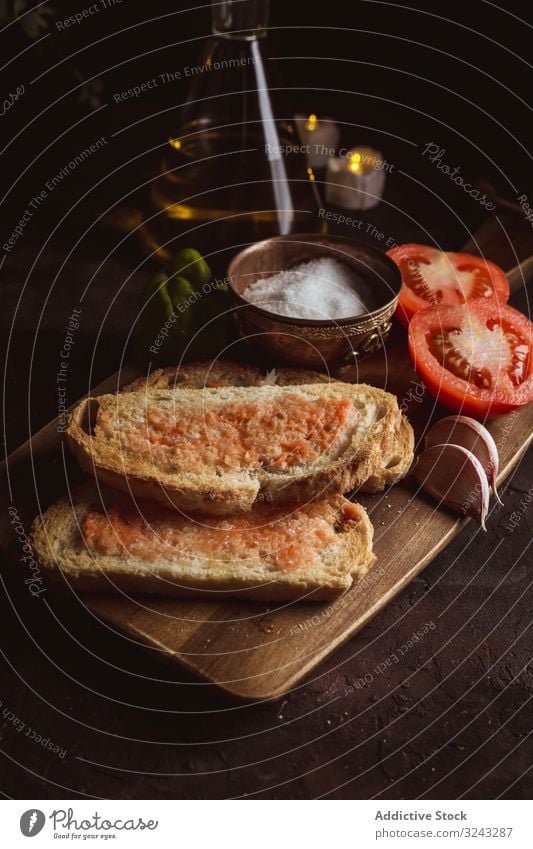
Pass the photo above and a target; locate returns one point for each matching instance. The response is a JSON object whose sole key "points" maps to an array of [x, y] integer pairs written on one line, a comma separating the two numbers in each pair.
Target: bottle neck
{"points": [[241, 20]]}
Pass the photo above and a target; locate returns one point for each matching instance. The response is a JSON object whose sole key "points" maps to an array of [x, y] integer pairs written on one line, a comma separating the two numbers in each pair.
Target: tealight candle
{"points": [[320, 138], [357, 180]]}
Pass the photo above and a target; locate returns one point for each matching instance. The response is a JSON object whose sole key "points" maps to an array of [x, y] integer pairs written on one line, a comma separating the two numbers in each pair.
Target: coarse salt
{"points": [[322, 289]]}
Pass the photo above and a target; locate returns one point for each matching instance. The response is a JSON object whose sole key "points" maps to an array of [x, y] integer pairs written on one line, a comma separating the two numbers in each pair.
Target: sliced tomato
{"points": [[475, 358], [431, 277]]}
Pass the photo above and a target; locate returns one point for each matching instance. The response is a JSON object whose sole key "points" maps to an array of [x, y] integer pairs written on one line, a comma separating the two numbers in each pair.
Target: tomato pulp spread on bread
{"points": [[274, 433], [284, 539]]}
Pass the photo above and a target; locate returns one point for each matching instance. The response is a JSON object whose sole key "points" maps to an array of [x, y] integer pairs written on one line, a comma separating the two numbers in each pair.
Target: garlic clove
{"points": [[453, 475], [470, 434]]}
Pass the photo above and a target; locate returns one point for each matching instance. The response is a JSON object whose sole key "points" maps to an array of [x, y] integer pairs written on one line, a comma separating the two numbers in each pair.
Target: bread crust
{"points": [[57, 542], [364, 460], [206, 374], [395, 465]]}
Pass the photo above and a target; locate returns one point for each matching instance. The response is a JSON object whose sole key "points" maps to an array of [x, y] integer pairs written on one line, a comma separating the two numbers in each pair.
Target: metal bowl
{"points": [[318, 344]]}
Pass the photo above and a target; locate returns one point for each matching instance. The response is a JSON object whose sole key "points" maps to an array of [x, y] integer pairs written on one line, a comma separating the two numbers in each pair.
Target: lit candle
{"points": [[357, 180], [319, 137]]}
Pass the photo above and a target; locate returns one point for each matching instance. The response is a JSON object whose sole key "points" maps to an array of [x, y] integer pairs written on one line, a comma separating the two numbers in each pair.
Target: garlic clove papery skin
{"points": [[453, 475], [472, 435]]}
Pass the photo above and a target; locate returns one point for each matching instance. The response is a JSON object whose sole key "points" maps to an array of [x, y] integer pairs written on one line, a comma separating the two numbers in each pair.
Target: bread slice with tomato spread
{"points": [[104, 541], [211, 374], [219, 450]]}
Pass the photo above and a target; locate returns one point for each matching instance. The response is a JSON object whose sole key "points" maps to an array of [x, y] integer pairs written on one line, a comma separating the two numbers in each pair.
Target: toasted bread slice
{"points": [[212, 374], [219, 450], [105, 542], [396, 463]]}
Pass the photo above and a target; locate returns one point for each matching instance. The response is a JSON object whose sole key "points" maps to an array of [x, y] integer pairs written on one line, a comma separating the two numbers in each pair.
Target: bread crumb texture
{"points": [[276, 434], [283, 538]]}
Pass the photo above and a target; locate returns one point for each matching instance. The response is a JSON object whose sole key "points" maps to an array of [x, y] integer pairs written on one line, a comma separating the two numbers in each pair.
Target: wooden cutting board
{"points": [[258, 651]]}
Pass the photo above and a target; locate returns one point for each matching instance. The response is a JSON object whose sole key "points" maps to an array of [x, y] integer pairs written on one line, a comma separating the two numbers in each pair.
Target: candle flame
{"points": [[354, 163], [363, 160], [312, 122]]}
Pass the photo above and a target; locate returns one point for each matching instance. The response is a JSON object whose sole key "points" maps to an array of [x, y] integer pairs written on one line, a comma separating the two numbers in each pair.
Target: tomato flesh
{"points": [[474, 358], [431, 277]]}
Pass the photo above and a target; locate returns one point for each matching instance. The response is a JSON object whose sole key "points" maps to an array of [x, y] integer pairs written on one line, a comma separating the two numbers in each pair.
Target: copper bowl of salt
{"points": [[324, 344]]}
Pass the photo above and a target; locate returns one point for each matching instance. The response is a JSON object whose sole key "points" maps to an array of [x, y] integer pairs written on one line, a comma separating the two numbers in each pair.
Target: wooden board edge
{"points": [[295, 678], [267, 694], [48, 437], [127, 374]]}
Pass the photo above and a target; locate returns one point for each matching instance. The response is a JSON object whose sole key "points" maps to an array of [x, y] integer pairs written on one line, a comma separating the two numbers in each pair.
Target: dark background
{"points": [[453, 719], [454, 78]]}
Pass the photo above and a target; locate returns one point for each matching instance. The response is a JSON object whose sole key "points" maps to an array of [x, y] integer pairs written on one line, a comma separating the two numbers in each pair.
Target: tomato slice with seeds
{"points": [[431, 277], [474, 358]]}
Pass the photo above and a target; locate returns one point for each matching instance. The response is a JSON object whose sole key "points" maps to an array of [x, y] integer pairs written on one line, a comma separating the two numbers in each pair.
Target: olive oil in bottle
{"points": [[232, 172]]}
